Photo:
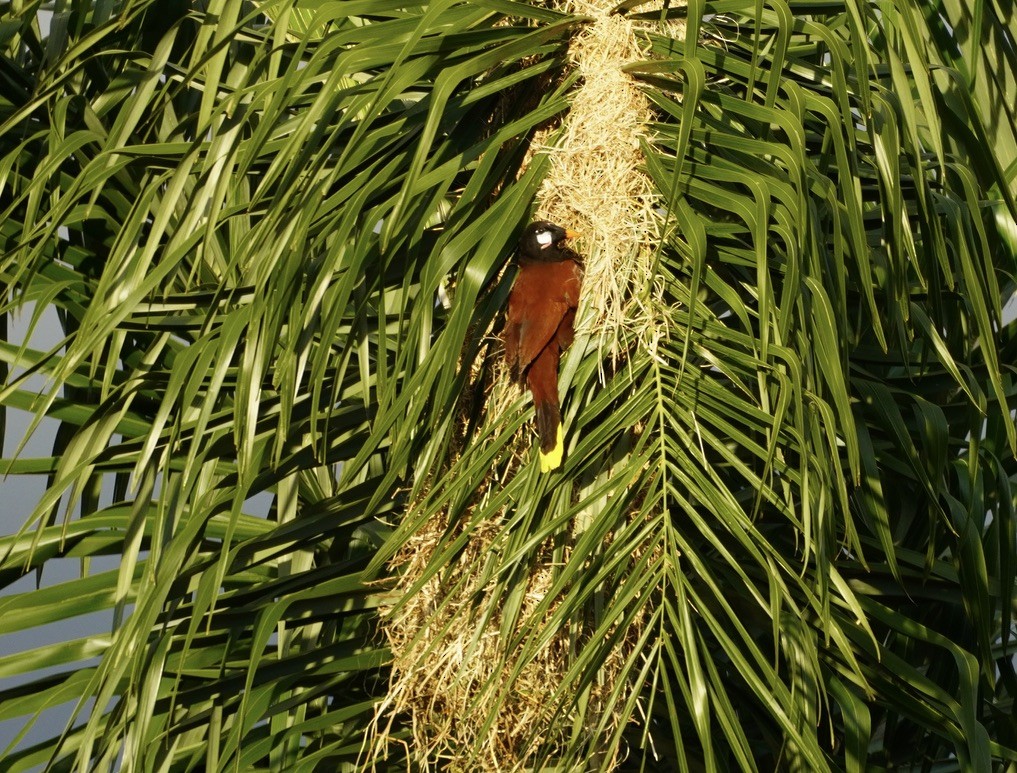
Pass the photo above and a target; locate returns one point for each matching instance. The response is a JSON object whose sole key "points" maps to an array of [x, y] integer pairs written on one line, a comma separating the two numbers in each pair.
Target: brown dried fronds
{"points": [[596, 185], [471, 699]]}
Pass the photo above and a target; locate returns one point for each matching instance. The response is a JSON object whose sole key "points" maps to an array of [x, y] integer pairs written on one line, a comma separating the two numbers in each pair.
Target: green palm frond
{"points": [[784, 531]]}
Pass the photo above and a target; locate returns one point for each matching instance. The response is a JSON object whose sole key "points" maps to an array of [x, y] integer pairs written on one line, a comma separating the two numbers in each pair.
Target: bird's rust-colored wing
{"points": [[540, 324], [544, 296]]}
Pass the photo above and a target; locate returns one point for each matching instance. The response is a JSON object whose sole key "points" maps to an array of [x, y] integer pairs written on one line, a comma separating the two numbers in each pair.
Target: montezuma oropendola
{"points": [[540, 324]]}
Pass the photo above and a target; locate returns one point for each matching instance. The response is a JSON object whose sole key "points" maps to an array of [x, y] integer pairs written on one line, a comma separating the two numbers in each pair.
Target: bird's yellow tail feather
{"points": [[551, 460]]}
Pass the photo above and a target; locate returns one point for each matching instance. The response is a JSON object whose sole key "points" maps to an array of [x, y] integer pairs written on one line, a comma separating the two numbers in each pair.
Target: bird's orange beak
{"points": [[570, 234]]}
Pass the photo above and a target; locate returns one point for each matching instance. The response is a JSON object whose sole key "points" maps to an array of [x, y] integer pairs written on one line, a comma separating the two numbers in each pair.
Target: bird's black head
{"points": [[545, 242]]}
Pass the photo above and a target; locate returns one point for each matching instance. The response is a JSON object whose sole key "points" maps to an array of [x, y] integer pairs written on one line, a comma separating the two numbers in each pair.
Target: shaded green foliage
{"points": [[242, 216]]}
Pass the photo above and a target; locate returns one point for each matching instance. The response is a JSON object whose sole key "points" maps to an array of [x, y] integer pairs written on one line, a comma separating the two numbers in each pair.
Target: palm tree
{"points": [[300, 505]]}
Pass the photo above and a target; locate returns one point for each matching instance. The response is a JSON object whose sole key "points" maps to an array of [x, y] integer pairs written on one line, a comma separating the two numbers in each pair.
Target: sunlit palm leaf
{"points": [[240, 323], [243, 216]]}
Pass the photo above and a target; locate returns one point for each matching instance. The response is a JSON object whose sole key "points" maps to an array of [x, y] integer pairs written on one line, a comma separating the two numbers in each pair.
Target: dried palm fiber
{"points": [[595, 184], [471, 702]]}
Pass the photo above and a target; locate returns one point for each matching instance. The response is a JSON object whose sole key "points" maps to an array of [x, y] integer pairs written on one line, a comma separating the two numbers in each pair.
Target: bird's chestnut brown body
{"points": [[540, 324]]}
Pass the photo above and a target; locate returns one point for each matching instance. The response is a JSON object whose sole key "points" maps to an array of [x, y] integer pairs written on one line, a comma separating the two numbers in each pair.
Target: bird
{"points": [[540, 325]]}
